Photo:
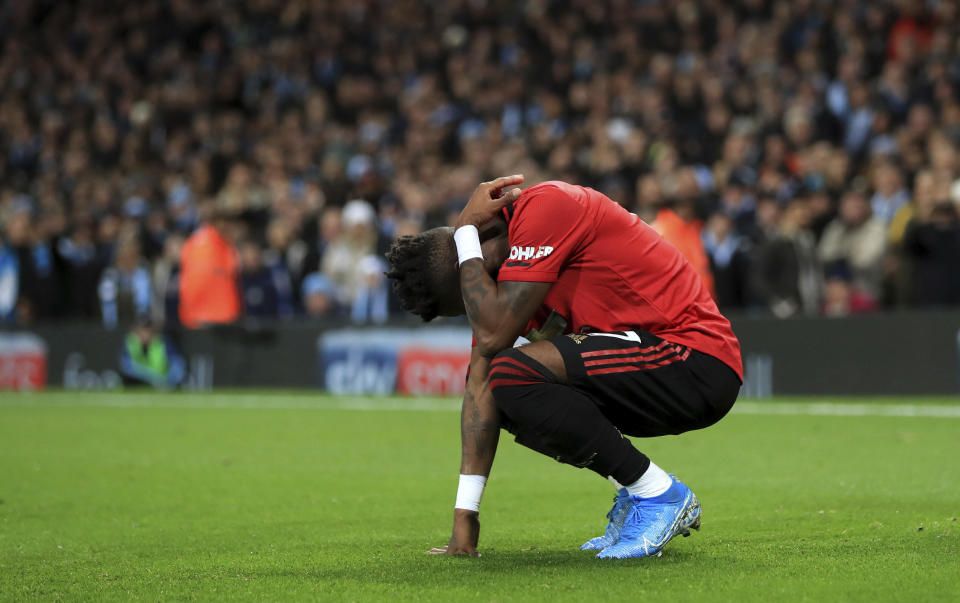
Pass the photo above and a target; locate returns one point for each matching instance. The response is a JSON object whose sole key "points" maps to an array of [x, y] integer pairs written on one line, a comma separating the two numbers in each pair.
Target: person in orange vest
{"points": [[209, 274], [681, 227]]}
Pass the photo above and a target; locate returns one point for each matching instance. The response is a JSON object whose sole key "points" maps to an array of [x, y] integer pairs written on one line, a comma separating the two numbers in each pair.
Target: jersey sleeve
{"points": [[546, 230]]}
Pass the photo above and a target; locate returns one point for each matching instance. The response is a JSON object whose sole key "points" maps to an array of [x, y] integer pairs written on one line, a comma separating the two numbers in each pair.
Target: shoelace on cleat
{"points": [[616, 516], [647, 517], [613, 508]]}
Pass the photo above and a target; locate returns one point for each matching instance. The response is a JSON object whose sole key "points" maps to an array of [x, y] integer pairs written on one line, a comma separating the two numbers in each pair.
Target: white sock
{"points": [[653, 482], [615, 483]]}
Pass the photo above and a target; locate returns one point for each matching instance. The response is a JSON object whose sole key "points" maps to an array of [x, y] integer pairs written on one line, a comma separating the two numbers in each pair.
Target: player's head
{"points": [[423, 268]]}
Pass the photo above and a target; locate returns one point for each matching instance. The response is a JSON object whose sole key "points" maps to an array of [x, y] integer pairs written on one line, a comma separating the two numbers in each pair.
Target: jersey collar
{"points": [[508, 212]]}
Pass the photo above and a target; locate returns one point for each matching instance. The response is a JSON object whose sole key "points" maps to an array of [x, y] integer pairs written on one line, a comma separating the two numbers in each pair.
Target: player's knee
{"points": [[512, 372], [511, 367]]}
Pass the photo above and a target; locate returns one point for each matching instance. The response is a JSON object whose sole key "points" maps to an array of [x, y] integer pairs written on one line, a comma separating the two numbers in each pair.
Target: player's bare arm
{"points": [[479, 435], [498, 313]]}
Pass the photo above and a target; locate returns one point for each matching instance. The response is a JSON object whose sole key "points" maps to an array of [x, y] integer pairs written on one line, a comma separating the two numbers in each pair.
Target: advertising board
{"points": [[23, 362], [414, 361]]}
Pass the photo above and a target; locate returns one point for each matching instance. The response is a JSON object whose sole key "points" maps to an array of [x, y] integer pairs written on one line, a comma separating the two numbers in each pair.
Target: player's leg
{"points": [[645, 385], [574, 413], [547, 415], [648, 387], [570, 398]]}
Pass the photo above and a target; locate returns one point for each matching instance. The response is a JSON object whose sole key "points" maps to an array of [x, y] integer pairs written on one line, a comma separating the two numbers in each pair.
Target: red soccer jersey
{"points": [[610, 271]]}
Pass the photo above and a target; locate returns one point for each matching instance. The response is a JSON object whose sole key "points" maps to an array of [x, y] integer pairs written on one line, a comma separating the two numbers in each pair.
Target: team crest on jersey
{"points": [[518, 252]]}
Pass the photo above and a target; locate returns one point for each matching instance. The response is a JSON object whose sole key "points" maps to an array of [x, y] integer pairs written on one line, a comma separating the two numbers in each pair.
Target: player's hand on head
{"points": [[495, 188], [488, 199]]}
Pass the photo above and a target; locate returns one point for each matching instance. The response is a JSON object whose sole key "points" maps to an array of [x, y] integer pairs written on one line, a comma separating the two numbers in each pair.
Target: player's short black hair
{"points": [[423, 271]]}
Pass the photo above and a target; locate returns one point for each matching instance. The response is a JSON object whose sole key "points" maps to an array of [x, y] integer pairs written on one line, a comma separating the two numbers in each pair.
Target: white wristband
{"points": [[467, 239], [470, 492]]}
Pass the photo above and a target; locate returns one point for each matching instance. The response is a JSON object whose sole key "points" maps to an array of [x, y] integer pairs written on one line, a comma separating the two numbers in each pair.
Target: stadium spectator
{"points": [[932, 241], [840, 297], [858, 239], [150, 358], [209, 274], [241, 192], [349, 262], [889, 192], [166, 283], [326, 229], [125, 290], [9, 277], [284, 257], [680, 226], [320, 296], [822, 208], [266, 289], [371, 302], [82, 269], [787, 274], [729, 261], [39, 284]]}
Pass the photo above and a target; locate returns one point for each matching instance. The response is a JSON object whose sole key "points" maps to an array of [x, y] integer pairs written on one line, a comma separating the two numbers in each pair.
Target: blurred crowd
{"points": [[803, 154]]}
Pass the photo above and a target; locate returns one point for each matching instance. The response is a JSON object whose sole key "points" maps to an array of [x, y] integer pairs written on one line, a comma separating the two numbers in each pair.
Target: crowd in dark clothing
{"points": [[810, 147]]}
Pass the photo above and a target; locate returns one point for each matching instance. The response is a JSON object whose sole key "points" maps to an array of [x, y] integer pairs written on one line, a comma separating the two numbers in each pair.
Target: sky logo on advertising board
{"points": [[382, 361], [529, 253], [360, 370]]}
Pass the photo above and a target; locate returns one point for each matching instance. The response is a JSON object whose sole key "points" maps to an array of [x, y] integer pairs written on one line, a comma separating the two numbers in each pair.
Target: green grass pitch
{"points": [[279, 496]]}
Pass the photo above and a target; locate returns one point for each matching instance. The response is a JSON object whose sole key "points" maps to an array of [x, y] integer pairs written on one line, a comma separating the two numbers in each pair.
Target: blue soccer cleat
{"points": [[652, 522], [616, 515]]}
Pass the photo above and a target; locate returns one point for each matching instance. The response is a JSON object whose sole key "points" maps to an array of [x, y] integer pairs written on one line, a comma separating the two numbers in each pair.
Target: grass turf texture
{"points": [[145, 496]]}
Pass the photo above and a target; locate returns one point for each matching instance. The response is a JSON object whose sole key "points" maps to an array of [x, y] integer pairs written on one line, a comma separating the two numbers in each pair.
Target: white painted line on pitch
{"points": [[846, 409], [367, 403], [243, 401]]}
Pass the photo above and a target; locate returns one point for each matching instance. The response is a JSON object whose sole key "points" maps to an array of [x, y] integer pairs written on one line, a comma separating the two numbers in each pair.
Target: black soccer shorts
{"points": [[647, 386]]}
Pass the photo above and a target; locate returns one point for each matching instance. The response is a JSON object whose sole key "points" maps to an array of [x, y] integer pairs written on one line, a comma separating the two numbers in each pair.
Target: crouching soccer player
{"points": [[625, 339]]}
